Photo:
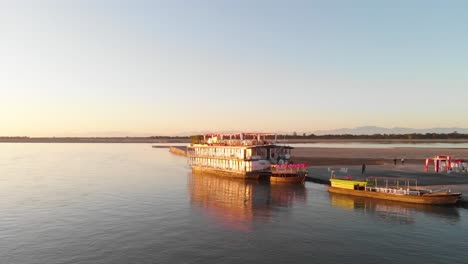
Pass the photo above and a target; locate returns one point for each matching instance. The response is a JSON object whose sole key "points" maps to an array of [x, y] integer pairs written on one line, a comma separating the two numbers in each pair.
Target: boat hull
{"points": [[287, 179], [231, 174], [434, 198]]}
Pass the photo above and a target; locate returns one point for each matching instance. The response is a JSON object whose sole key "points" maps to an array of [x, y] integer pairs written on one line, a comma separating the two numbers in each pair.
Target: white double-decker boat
{"points": [[243, 155]]}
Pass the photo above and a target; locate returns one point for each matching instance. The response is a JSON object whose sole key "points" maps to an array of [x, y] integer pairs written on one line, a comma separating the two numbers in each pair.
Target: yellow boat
{"points": [[394, 189]]}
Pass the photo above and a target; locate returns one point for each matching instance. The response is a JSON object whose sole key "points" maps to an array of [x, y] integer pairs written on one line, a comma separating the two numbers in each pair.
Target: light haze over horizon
{"points": [[108, 68]]}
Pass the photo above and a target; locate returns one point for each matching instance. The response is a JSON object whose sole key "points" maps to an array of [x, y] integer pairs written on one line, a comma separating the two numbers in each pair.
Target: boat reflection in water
{"points": [[236, 203], [391, 211]]}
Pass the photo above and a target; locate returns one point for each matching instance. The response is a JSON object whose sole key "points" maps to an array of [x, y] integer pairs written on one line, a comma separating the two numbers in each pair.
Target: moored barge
{"points": [[394, 189]]}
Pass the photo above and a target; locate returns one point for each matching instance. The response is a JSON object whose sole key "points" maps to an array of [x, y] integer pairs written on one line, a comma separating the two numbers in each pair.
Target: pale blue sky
{"points": [[71, 68]]}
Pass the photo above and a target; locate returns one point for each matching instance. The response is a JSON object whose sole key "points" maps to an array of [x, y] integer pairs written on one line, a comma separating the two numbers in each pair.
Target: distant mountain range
{"points": [[370, 130]]}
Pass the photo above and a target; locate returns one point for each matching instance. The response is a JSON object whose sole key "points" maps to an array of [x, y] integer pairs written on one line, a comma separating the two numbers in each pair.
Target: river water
{"points": [[130, 203]]}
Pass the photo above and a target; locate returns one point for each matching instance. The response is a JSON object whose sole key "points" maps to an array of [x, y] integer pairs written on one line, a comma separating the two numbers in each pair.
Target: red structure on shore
{"points": [[441, 160]]}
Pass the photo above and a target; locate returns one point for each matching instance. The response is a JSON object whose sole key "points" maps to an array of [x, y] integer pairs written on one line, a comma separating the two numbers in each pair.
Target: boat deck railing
{"points": [[399, 191], [220, 156], [236, 142]]}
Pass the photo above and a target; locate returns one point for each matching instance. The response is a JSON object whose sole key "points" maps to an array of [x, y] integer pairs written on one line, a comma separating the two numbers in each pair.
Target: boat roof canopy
{"points": [[391, 179]]}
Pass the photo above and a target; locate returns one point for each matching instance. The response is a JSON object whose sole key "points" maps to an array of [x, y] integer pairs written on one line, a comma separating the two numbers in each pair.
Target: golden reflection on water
{"points": [[391, 211], [236, 203]]}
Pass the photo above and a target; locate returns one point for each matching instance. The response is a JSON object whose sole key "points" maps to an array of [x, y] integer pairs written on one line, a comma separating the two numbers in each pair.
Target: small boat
{"points": [[288, 173], [394, 189]]}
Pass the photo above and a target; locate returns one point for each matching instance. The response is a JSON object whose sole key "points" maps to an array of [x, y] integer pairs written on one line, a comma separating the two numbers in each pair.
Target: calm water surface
{"points": [[123, 203]]}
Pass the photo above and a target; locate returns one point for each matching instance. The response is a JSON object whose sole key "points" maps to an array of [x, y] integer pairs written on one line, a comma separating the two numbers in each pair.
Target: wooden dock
{"points": [[181, 151], [177, 150]]}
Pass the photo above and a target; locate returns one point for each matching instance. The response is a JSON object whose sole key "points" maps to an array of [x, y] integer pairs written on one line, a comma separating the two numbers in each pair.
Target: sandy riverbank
{"points": [[370, 156]]}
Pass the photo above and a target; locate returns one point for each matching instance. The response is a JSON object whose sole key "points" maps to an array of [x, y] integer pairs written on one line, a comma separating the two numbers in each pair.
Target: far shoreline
{"points": [[158, 140]]}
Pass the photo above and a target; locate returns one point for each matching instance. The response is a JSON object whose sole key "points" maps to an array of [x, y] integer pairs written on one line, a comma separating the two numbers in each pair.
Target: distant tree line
{"points": [[453, 135], [294, 135], [169, 137], [151, 137]]}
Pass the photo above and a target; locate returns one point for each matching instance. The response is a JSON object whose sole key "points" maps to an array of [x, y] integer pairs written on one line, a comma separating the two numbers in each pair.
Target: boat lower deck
{"points": [[255, 175]]}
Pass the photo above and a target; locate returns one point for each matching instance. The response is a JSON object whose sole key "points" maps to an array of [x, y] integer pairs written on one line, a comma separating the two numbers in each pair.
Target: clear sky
{"points": [[97, 68]]}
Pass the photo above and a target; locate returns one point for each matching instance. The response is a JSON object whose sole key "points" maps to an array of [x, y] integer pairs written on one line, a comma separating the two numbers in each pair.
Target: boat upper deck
{"points": [[237, 140]]}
